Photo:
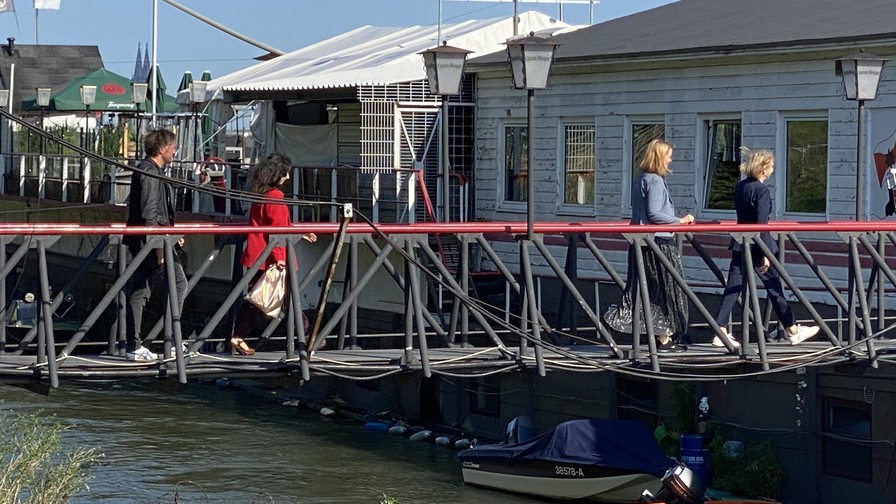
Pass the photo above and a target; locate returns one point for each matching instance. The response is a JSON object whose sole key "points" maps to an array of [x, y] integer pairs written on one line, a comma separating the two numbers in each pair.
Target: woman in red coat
{"points": [[269, 175]]}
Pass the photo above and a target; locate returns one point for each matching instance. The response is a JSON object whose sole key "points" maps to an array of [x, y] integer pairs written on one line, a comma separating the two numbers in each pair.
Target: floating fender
{"points": [[443, 440], [325, 411], [422, 435], [398, 430], [376, 426], [462, 444]]}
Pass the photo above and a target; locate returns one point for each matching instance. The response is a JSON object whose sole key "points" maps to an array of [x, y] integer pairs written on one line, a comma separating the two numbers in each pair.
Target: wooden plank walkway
{"points": [[700, 359]]}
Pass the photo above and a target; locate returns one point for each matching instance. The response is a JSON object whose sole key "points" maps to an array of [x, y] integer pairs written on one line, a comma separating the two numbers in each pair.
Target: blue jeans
{"points": [[773, 287]]}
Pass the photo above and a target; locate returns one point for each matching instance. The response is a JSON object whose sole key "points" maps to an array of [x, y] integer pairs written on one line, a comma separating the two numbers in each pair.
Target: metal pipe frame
{"points": [[532, 315], [511, 279], [574, 292], [400, 282], [420, 323]]}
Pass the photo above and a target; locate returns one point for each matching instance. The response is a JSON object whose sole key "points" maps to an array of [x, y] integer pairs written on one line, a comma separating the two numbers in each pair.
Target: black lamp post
{"points": [[138, 96], [43, 101], [197, 96], [530, 58], [444, 72], [88, 97], [4, 103], [861, 77]]}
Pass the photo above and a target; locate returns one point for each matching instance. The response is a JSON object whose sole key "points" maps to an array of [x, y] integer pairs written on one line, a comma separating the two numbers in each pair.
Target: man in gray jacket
{"points": [[151, 203]]}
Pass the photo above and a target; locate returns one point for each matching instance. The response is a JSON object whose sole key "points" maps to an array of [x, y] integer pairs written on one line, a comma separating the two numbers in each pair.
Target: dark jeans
{"points": [[139, 291], [245, 317], [773, 287]]}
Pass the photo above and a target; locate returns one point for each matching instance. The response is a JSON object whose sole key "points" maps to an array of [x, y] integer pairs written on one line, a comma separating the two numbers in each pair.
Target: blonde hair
{"points": [[755, 162], [654, 160]]}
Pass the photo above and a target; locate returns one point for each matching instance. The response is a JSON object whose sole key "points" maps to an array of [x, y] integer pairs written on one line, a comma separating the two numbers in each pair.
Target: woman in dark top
{"points": [[651, 204], [753, 203]]}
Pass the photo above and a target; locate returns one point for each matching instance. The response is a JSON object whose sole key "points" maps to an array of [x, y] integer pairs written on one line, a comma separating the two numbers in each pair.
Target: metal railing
{"points": [[523, 335], [86, 179]]}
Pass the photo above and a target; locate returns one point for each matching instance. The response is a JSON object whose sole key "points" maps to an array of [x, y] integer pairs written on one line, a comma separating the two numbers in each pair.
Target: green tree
{"points": [[35, 469]]}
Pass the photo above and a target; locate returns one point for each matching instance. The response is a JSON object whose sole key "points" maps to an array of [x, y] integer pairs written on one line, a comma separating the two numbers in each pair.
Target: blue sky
{"points": [[117, 26]]}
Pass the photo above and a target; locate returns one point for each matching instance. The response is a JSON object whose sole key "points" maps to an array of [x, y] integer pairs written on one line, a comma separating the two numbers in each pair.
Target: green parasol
{"points": [[113, 93], [166, 103], [185, 81]]}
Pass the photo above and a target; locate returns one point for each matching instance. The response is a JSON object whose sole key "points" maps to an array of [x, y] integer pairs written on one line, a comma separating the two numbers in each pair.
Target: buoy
{"points": [[398, 430], [376, 426], [443, 440], [292, 402], [421, 436], [462, 444], [325, 411]]}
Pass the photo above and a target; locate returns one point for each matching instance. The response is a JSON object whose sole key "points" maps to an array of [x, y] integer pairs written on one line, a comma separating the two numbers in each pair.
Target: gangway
{"points": [[478, 337]]}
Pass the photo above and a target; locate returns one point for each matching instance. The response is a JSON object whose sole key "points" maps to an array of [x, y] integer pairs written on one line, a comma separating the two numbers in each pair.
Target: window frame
{"points": [[704, 121], [628, 164], [507, 205], [828, 436], [779, 178], [630, 406], [579, 209], [484, 396]]}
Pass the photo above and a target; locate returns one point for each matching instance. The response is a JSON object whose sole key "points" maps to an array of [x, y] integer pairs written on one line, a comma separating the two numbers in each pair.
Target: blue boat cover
{"points": [[621, 444]]}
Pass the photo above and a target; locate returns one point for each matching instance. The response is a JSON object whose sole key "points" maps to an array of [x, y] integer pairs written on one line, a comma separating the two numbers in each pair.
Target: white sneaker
{"points": [[802, 334], [717, 342], [141, 354], [184, 347]]}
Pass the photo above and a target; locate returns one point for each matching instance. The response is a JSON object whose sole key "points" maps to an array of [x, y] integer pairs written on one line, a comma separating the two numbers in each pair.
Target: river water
{"points": [[168, 443]]}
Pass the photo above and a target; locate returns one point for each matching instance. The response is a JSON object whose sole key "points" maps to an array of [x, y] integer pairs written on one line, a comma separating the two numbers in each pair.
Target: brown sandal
{"points": [[239, 346]]}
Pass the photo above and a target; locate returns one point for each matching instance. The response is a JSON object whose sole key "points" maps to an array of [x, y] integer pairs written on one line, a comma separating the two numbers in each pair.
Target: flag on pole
{"points": [[7, 6], [46, 4]]}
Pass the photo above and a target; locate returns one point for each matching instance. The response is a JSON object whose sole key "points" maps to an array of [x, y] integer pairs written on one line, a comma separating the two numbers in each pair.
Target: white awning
{"points": [[372, 55]]}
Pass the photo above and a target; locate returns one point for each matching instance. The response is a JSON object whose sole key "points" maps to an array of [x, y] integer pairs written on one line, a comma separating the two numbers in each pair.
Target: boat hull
{"points": [[560, 481]]}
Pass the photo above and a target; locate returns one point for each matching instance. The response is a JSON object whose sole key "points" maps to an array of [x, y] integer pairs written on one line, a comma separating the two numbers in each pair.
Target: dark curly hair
{"points": [[269, 172]]}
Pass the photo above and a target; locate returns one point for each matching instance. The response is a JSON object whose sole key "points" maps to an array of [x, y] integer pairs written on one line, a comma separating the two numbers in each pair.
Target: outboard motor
{"points": [[518, 430], [680, 486]]}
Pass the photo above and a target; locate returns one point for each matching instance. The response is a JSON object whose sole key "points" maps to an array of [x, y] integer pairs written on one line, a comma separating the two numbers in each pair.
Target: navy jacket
{"points": [[753, 203]]}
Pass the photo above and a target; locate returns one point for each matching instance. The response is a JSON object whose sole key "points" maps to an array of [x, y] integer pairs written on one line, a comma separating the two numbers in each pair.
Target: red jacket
{"points": [[265, 214]]}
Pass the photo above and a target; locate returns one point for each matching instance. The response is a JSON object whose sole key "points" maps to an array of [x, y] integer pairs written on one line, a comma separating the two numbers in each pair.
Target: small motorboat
{"points": [[595, 460]]}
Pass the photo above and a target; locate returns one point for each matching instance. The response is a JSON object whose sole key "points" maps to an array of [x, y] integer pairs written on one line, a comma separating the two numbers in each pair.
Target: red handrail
{"points": [[515, 227]]}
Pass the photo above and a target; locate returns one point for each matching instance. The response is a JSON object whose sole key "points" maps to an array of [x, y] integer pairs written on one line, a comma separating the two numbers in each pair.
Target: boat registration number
{"points": [[569, 471]]}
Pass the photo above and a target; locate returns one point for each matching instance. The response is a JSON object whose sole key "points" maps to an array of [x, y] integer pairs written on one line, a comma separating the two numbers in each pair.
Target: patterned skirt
{"points": [[668, 302]]}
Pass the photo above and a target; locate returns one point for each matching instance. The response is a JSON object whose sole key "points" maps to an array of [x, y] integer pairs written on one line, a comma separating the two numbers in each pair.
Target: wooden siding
{"points": [[685, 95]]}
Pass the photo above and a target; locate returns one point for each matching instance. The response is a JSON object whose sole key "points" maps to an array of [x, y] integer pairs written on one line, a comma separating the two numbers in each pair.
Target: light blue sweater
{"points": [[651, 203]]}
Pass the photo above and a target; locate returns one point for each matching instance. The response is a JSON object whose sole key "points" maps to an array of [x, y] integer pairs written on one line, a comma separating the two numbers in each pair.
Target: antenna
{"points": [[559, 3]]}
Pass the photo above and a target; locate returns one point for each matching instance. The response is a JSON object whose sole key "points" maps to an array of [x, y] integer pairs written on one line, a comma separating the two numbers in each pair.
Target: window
{"points": [[578, 163], [516, 149], [806, 166], [722, 163], [485, 396], [641, 132], [642, 135], [636, 400], [846, 447]]}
